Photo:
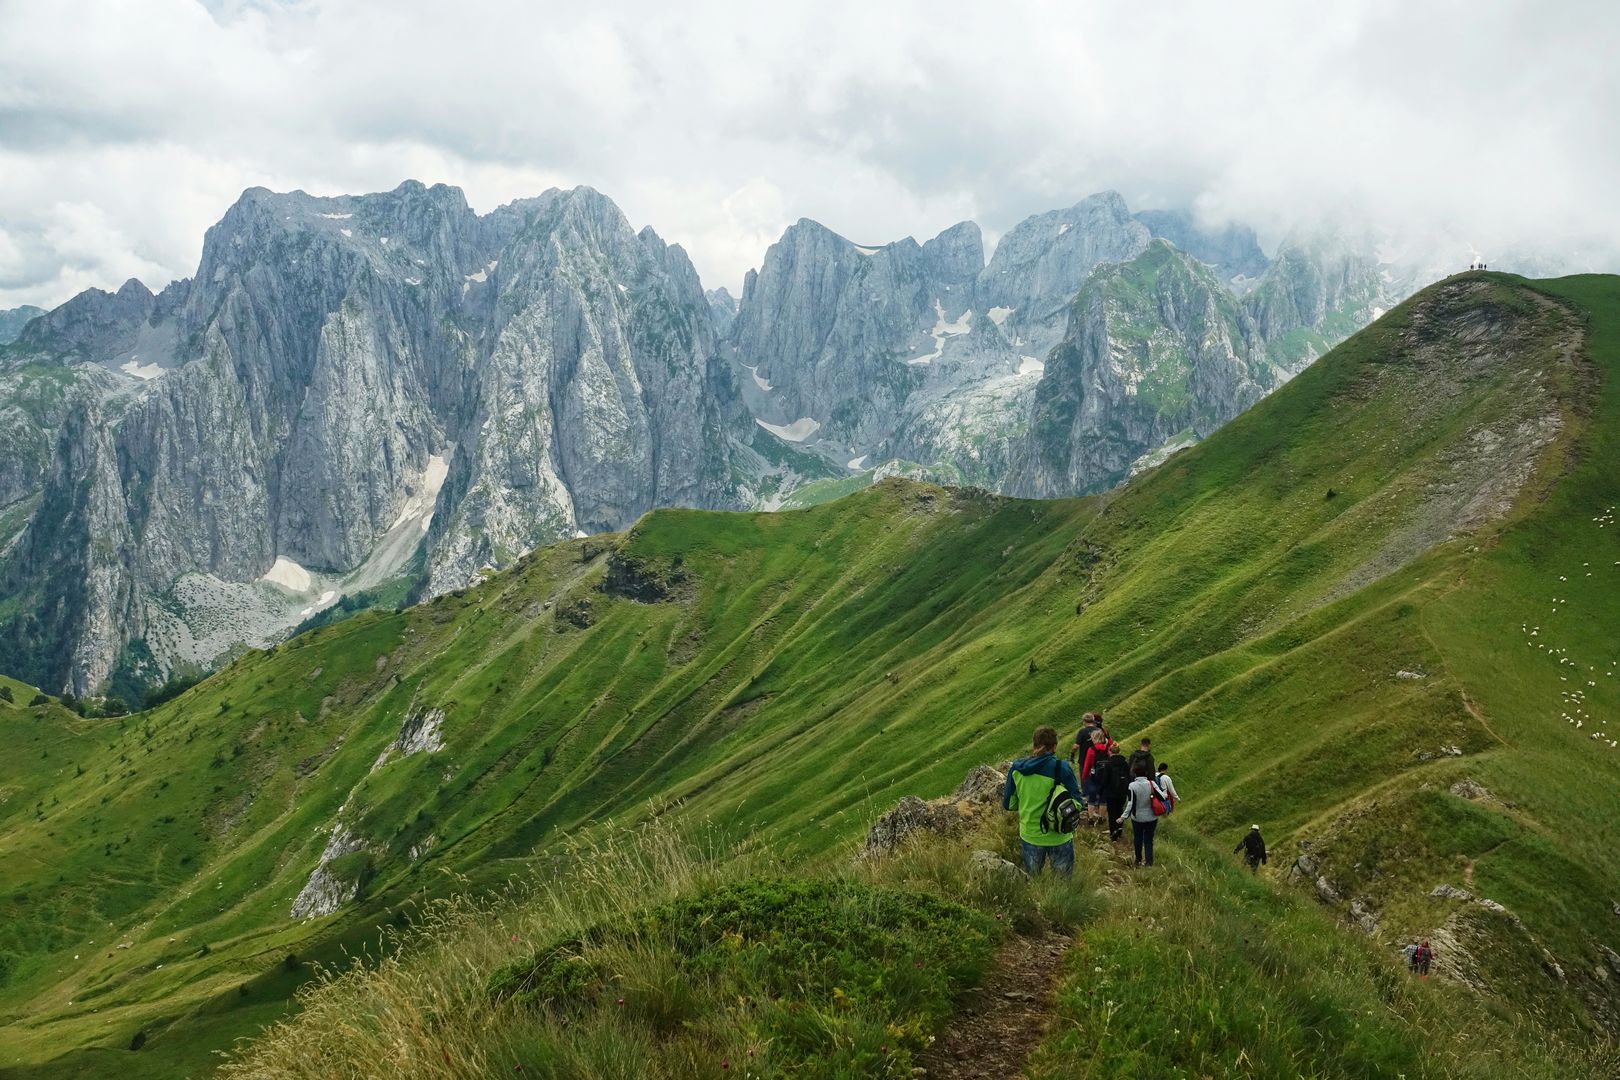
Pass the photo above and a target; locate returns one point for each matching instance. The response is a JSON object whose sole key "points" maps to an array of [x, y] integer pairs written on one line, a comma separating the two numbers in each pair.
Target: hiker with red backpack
{"points": [[1099, 748], [1145, 804], [1422, 959], [1167, 785]]}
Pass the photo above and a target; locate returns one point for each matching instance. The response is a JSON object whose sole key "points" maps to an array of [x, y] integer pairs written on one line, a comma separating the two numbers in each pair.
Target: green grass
{"points": [[816, 664]]}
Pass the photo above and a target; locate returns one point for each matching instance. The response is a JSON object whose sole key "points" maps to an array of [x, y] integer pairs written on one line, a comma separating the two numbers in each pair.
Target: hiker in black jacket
{"points": [[1253, 848], [1143, 757], [1114, 781]]}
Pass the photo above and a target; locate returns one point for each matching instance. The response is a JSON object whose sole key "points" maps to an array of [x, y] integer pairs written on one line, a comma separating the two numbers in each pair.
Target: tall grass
{"points": [[645, 954], [423, 1009]]}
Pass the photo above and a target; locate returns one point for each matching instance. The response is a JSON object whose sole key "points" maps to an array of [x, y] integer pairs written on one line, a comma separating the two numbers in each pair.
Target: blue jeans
{"points": [[1060, 855], [1142, 834]]}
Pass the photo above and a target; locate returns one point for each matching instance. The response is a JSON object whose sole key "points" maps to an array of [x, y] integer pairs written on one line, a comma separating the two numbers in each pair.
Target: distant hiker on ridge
{"points": [[1410, 952], [1424, 957], [1037, 788], [1253, 848]]}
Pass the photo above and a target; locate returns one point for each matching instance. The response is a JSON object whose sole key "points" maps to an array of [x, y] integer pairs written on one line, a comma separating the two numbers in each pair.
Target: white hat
{"points": [[1256, 828]]}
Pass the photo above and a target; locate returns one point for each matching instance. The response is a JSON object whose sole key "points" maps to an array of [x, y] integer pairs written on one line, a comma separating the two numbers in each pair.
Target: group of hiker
{"points": [[1098, 785], [1418, 957]]}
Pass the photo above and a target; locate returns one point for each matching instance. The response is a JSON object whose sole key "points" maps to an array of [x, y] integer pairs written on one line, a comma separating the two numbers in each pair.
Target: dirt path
{"points": [[998, 1025]]}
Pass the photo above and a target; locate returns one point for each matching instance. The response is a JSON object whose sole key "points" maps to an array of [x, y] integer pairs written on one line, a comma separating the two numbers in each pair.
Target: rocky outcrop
{"points": [[330, 884], [975, 800]]}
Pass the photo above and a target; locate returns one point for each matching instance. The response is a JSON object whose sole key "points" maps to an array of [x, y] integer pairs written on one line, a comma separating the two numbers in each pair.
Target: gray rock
{"points": [[1363, 915], [993, 865], [1470, 789], [983, 785]]}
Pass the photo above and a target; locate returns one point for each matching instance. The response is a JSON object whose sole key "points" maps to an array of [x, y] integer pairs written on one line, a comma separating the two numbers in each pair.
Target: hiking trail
{"points": [[1005, 1017]]}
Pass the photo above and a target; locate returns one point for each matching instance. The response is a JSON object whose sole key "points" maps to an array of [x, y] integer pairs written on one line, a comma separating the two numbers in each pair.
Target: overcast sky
{"points": [[126, 129]]}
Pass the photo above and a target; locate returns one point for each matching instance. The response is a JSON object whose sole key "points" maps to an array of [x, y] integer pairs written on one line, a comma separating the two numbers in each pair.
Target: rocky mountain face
{"points": [[1158, 354], [386, 395], [12, 321], [993, 374], [342, 377]]}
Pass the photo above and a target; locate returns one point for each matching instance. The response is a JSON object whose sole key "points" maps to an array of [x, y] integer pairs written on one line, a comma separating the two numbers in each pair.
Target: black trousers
{"points": [[1116, 807], [1142, 834]]}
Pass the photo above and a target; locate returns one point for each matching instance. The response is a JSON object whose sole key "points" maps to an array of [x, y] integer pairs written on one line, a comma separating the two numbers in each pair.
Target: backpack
{"points": [[1142, 757], [1099, 770], [1158, 799], [1116, 775], [1169, 800], [1062, 813]]}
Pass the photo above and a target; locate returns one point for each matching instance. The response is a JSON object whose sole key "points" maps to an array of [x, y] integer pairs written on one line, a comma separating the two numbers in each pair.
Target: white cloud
{"points": [[125, 130]]}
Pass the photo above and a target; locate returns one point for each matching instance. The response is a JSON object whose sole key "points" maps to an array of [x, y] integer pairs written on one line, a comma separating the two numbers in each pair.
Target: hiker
{"points": [[1093, 787], [1090, 723], [1425, 956], [1114, 778], [1142, 757], [1139, 807], [1253, 848], [1167, 786], [1410, 952], [1036, 787]]}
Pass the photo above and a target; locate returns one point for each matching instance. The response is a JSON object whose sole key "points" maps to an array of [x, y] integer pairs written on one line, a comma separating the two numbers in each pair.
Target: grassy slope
{"points": [[818, 663]]}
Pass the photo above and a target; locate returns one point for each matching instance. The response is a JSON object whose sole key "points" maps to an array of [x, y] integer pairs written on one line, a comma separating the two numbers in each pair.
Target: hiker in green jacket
{"points": [[1035, 789]]}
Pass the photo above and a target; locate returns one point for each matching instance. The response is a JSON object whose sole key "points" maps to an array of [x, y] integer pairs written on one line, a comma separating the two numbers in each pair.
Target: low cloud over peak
{"points": [[1476, 127]]}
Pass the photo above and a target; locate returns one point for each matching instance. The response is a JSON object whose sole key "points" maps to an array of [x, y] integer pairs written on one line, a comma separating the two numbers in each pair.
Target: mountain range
{"points": [[369, 399], [1375, 613]]}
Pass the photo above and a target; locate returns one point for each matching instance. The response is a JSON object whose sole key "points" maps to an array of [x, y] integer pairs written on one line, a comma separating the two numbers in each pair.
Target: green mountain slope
{"points": [[1359, 614]]}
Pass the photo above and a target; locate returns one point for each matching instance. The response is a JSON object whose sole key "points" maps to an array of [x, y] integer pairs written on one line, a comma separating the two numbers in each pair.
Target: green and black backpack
{"points": [[1062, 813]]}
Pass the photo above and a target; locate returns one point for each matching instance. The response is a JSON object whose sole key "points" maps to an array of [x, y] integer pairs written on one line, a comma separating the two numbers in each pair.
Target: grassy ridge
{"points": [[1251, 604]]}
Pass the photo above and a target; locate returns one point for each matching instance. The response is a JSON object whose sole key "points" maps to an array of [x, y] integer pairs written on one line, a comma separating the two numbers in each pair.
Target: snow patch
{"points": [[798, 431], [346, 232], [338, 217], [384, 239], [1378, 313], [1063, 228], [485, 272], [1029, 365], [141, 371], [943, 330], [867, 250], [759, 382], [413, 281], [289, 575], [998, 315], [857, 463], [621, 288]]}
